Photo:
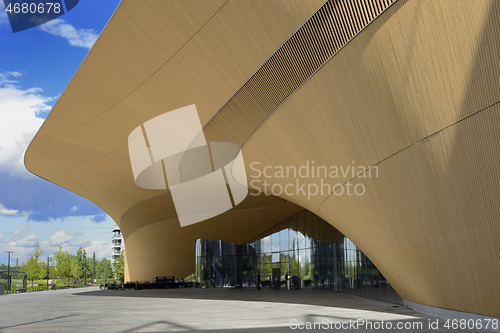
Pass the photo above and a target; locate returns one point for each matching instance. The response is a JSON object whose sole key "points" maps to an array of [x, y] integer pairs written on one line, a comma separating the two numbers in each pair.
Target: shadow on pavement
{"points": [[303, 297], [38, 321], [308, 322]]}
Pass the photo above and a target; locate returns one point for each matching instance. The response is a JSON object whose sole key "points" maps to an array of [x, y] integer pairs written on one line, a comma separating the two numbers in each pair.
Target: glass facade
{"points": [[301, 252]]}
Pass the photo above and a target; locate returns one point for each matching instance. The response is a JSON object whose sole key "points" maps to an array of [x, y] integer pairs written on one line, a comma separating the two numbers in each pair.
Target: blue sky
{"points": [[36, 65]]}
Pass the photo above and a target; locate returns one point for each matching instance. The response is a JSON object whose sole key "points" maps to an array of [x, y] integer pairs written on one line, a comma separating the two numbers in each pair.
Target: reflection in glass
{"points": [[275, 241], [306, 248], [301, 229], [283, 240], [266, 244]]}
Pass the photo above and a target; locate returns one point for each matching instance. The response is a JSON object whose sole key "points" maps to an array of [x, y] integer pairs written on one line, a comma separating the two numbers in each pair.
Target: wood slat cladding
{"points": [[153, 57], [416, 94], [313, 44]]}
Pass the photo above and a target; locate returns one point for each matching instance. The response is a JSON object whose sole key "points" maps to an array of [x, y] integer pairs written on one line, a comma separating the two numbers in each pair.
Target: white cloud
{"points": [[61, 237], [19, 252], [5, 211], [29, 241], [14, 241], [80, 243], [101, 248], [16, 234], [74, 208], [76, 37], [18, 121], [78, 232], [15, 74]]}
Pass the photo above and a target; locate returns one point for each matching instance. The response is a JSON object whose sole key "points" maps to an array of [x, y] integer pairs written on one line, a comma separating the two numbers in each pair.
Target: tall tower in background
{"points": [[117, 244]]}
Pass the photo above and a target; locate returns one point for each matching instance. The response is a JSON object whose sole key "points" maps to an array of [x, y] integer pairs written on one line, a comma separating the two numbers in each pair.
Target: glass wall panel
{"points": [[266, 244], [301, 228], [275, 241], [302, 264], [307, 268], [306, 249], [308, 220], [292, 232], [283, 234]]}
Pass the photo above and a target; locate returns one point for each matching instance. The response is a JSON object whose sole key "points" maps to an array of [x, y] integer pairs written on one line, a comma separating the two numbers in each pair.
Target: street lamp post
{"points": [[48, 272], [69, 268], [8, 269], [85, 270]]}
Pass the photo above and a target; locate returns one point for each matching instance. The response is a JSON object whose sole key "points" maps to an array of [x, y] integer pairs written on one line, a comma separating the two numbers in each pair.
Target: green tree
{"points": [[307, 270], [65, 264], [35, 269], [81, 263], [119, 267], [93, 267], [104, 269], [52, 269]]}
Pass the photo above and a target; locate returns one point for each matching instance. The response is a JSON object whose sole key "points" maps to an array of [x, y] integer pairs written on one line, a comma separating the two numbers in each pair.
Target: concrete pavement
{"points": [[212, 310]]}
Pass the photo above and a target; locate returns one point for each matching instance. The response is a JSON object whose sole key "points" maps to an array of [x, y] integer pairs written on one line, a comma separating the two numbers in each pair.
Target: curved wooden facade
{"points": [[411, 88]]}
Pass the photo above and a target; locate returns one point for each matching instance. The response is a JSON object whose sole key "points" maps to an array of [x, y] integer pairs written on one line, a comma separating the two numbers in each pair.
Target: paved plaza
{"points": [[210, 310]]}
